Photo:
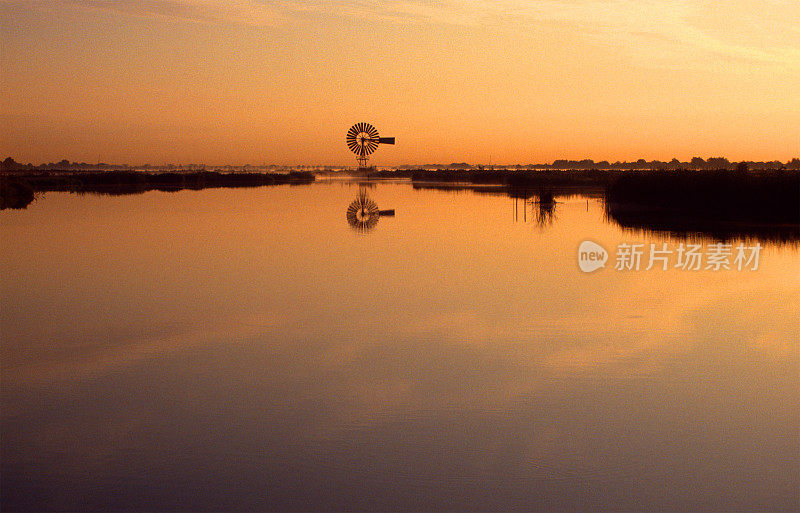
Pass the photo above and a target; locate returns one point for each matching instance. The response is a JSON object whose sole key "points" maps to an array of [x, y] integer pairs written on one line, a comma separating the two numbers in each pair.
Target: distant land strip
{"points": [[17, 188], [696, 163], [726, 201]]}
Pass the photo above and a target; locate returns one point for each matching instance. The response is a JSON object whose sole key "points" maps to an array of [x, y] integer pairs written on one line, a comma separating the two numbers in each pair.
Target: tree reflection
{"points": [[542, 204]]}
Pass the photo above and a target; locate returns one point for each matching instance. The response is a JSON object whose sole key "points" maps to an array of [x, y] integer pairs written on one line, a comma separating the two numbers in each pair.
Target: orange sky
{"points": [[514, 81]]}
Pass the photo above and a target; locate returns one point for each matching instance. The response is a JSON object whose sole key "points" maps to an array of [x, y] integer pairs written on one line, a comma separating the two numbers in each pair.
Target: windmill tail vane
{"points": [[363, 139]]}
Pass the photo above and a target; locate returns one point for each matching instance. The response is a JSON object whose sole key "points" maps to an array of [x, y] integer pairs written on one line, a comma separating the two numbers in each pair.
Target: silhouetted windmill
{"points": [[363, 213], [363, 139]]}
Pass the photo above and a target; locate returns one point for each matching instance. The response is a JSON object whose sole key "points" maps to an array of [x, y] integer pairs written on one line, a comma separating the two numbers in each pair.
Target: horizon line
{"points": [[585, 161]]}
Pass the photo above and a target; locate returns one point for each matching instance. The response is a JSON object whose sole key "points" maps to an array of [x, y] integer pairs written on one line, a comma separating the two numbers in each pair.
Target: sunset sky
{"points": [[511, 81]]}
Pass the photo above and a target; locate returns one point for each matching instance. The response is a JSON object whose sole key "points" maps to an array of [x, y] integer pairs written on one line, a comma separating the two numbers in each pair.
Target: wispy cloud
{"points": [[676, 23], [244, 12], [672, 29]]}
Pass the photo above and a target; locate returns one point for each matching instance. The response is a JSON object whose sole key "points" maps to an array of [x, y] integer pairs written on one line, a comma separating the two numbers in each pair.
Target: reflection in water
{"points": [[363, 213], [770, 222], [542, 205], [719, 205], [213, 351], [15, 193], [681, 224]]}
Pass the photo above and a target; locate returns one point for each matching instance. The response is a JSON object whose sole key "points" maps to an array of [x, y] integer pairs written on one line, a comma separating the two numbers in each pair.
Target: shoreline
{"points": [[721, 204]]}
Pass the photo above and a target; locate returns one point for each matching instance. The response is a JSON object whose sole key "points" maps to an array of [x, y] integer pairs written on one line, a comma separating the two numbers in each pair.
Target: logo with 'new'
{"points": [[591, 256]]}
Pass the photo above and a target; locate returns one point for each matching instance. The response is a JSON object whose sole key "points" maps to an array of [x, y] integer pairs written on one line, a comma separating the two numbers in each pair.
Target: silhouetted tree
{"points": [[718, 163], [8, 164], [698, 163]]}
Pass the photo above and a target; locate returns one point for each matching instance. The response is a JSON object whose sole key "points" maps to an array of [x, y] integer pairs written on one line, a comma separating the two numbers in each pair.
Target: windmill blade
{"points": [[351, 139]]}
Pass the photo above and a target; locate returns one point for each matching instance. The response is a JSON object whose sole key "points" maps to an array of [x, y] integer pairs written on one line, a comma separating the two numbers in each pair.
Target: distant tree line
{"points": [[697, 163], [9, 164]]}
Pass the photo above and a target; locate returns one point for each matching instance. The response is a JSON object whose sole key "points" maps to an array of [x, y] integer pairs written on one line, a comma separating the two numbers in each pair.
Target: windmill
{"points": [[363, 139], [363, 213]]}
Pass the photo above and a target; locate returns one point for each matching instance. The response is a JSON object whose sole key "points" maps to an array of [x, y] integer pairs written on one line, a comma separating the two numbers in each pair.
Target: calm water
{"points": [[246, 349]]}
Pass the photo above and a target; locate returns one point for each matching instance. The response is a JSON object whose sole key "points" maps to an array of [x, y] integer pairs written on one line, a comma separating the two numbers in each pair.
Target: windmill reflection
{"points": [[363, 213], [542, 204]]}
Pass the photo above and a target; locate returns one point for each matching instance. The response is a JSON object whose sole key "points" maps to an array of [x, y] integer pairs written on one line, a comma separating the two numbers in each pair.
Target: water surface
{"points": [[247, 349]]}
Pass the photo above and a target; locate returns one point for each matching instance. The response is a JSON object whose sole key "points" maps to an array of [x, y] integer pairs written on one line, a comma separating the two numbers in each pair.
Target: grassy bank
{"points": [[764, 197], [15, 192], [136, 181], [512, 178], [721, 204]]}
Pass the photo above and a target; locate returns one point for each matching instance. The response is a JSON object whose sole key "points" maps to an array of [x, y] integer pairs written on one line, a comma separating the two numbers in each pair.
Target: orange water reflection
{"points": [[246, 349]]}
